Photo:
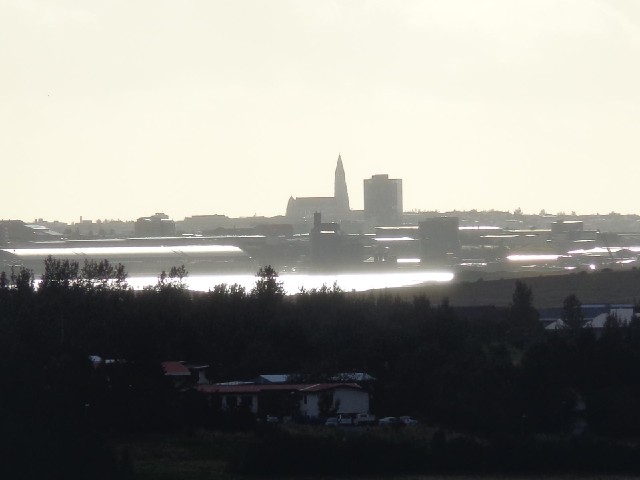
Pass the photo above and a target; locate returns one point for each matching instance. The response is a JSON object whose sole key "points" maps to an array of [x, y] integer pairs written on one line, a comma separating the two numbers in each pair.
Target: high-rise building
{"points": [[383, 200]]}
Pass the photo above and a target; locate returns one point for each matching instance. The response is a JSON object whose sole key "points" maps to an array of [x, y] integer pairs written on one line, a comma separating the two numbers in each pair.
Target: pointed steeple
{"points": [[340, 188]]}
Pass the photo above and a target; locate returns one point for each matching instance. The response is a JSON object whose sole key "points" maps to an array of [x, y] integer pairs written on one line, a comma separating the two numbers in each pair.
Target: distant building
{"points": [[18, 232], [383, 200], [571, 235], [203, 223], [327, 243], [283, 399], [331, 247], [440, 239], [87, 229], [335, 208], [567, 226], [304, 207], [341, 398], [340, 189], [279, 378], [158, 225]]}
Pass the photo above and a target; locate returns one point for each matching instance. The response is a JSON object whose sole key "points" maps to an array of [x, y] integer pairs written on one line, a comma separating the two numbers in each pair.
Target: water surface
{"points": [[293, 282]]}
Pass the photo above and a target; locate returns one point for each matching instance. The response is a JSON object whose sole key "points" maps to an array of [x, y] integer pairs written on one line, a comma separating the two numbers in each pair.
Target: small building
{"points": [[595, 316], [323, 398], [308, 400], [623, 316]]}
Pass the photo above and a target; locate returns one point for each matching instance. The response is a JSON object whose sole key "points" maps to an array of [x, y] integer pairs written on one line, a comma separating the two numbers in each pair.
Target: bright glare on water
{"points": [[294, 282]]}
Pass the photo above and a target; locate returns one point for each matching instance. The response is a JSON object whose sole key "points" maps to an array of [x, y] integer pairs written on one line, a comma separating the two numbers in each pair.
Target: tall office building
{"points": [[383, 200]]}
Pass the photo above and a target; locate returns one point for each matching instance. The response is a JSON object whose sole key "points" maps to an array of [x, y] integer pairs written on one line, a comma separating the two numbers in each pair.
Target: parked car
{"points": [[356, 419], [408, 420], [365, 419], [390, 421], [331, 422]]}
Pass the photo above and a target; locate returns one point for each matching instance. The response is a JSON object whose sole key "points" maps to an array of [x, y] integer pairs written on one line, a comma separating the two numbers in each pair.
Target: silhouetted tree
{"points": [[612, 322], [267, 284], [23, 281], [174, 280], [103, 275], [223, 290], [572, 312], [523, 314], [58, 273]]}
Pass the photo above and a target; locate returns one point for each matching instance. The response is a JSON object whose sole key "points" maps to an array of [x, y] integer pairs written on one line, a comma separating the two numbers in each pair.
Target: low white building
{"points": [[341, 397], [624, 316], [308, 400]]}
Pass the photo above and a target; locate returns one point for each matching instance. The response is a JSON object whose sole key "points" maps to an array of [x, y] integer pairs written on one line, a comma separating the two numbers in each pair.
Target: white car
{"points": [[408, 420], [390, 421], [331, 422]]}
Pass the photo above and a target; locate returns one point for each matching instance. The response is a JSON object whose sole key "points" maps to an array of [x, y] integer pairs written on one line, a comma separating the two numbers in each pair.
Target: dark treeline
{"points": [[496, 375]]}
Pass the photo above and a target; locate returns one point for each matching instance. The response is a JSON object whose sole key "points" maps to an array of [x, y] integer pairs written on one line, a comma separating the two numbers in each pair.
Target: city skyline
{"points": [[118, 110]]}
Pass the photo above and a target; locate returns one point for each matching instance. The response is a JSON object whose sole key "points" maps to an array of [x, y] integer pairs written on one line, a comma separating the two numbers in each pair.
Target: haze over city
{"points": [[118, 109]]}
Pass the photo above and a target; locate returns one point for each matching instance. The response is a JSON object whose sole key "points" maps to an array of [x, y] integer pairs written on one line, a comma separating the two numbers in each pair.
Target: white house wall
{"points": [[310, 405], [350, 401]]}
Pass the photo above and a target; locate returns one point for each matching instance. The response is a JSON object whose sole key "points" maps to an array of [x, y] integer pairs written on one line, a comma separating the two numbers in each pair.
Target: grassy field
{"points": [[198, 456], [201, 456], [548, 291]]}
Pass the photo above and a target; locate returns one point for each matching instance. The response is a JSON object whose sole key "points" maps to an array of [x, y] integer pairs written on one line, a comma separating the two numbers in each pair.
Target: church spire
{"points": [[340, 188]]}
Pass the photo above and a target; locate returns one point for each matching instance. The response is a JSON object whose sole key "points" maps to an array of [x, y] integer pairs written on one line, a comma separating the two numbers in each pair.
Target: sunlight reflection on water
{"points": [[294, 282]]}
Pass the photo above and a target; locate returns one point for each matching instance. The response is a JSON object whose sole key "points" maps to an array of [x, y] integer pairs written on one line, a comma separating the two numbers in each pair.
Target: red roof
{"points": [[175, 369], [318, 387]]}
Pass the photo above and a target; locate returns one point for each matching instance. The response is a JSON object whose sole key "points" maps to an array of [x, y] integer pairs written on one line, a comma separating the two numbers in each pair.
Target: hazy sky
{"points": [[118, 109]]}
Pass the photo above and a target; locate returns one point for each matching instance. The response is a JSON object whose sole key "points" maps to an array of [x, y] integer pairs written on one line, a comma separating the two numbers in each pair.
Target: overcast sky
{"points": [[119, 109]]}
